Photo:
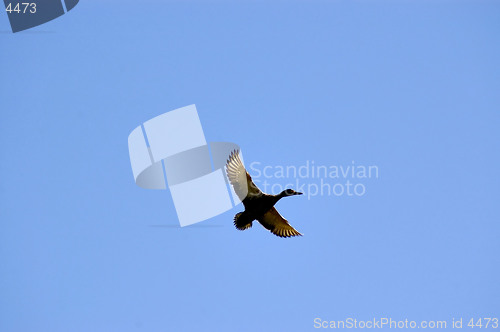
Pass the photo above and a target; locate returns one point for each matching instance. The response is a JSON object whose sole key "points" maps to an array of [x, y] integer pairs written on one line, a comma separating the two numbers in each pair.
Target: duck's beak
{"points": [[297, 193]]}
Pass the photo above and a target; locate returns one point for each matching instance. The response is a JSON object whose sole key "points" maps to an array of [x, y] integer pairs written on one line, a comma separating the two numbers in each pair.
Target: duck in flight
{"points": [[258, 205]]}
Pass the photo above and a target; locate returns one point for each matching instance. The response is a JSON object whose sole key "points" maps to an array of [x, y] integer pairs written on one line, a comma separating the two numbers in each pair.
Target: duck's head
{"points": [[289, 192]]}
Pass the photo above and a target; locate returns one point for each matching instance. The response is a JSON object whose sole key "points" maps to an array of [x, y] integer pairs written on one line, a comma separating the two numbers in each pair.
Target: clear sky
{"points": [[409, 86]]}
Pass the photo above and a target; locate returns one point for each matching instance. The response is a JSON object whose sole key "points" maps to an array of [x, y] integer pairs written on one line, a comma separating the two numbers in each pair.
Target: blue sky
{"points": [[411, 87]]}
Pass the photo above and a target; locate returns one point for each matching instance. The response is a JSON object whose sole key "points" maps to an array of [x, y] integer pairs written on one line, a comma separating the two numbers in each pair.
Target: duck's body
{"points": [[255, 208], [261, 205], [258, 205]]}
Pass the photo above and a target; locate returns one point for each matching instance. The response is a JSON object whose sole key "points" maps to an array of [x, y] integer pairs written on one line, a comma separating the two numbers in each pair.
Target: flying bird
{"points": [[258, 205]]}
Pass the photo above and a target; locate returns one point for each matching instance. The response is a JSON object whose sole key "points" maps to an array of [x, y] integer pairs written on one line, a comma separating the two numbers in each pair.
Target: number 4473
{"points": [[29, 7], [485, 322]]}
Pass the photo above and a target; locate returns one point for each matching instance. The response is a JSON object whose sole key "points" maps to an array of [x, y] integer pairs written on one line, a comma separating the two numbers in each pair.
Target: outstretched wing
{"points": [[278, 225], [239, 178]]}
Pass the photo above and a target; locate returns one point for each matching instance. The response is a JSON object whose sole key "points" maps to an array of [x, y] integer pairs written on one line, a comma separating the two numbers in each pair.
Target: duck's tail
{"points": [[242, 222]]}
